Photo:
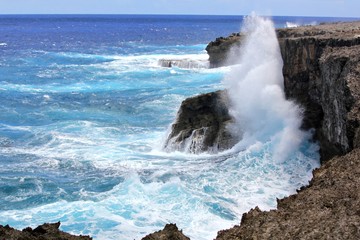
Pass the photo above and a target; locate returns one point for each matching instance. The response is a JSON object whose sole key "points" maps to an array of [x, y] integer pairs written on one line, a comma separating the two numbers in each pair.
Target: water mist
{"points": [[255, 87]]}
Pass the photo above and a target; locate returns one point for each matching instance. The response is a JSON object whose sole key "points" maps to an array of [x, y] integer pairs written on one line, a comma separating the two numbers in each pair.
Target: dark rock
{"points": [[318, 69], [47, 231], [170, 232], [219, 50], [202, 124]]}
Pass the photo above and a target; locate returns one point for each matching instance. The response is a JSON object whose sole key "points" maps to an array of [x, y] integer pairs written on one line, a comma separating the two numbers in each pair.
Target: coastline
{"points": [[321, 73], [333, 188]]}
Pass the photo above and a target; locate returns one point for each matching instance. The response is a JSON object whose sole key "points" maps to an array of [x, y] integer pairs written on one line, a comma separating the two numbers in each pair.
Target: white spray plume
{"points": [[255, 87]]}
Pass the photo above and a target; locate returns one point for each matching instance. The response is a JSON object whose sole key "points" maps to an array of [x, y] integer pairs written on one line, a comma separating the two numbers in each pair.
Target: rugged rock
{"points": [[219, 49], [329, 208], [170, 232], [47, 231], [202, 125], [320, 67]]}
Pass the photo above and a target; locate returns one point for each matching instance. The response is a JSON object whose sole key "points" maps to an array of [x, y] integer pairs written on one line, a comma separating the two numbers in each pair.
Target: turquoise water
{"points": [[85, 108]]}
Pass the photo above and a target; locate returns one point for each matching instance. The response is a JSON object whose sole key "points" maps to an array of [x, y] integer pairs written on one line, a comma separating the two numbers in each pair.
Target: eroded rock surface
{"points": [[219, 49], [170, 232], [202, 124], [321, 72], [47, 231]]}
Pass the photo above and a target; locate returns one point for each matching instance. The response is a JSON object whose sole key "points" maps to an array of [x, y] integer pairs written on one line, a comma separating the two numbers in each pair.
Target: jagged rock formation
{"points": [[219, 49], [202, 125], [47, 231], [170, 232], [329, 208]]}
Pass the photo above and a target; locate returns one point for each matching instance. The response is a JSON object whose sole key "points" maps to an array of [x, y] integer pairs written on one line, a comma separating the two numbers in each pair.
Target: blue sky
{"points": [[335, 8]]}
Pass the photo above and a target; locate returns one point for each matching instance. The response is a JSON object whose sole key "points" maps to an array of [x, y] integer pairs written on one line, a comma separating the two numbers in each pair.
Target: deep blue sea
{"points": [[85, 109]]}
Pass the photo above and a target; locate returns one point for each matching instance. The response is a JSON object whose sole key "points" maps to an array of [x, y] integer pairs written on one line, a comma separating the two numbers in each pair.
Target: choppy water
{"points": [[84, 111]]}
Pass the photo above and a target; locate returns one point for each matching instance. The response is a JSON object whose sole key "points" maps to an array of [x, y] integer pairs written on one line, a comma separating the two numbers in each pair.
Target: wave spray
{"points": [[255, 87]]}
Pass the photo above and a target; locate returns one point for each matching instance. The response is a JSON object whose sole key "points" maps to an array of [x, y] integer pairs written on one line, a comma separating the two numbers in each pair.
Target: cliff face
{"points": [[320, 67]]}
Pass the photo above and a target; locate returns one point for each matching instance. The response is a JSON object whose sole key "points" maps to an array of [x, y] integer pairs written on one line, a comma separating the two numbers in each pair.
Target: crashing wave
{"points": [[291, 25]]}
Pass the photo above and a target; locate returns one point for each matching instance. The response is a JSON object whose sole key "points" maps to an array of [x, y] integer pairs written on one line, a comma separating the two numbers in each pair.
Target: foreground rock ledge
{"points": [[170, 232], [47, 231]]}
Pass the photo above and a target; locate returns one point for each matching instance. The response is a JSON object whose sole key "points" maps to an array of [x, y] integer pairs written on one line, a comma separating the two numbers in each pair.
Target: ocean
{"points": [[86, 108]]}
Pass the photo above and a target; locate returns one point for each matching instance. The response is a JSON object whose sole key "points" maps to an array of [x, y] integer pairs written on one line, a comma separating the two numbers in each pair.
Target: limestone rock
{"points": [[170, 232]]}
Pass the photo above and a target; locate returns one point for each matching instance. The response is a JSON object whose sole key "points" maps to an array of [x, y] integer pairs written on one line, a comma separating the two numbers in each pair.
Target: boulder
{"points": [[202, 124]]}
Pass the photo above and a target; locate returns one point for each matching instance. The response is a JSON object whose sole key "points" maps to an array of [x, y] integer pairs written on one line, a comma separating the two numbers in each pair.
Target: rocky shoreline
{"points": [[321, 73]]}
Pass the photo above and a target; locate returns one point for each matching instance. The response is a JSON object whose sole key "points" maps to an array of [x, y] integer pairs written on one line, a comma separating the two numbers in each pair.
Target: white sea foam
{"points": [[291, 25]]}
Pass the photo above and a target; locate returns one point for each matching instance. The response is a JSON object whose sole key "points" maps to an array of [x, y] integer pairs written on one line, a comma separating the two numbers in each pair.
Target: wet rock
{"points": [[202, 124], [170, 232]]}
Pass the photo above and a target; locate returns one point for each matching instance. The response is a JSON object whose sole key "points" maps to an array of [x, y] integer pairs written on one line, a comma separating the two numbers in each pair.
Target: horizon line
{"points": [[168, 14]]}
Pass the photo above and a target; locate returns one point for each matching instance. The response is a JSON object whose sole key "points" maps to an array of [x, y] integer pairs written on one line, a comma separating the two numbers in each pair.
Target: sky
{"points": [[329, 8]]}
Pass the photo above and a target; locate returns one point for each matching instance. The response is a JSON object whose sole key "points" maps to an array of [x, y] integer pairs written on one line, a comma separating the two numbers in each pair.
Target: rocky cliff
{"points": [[322, 73]]}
